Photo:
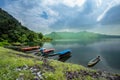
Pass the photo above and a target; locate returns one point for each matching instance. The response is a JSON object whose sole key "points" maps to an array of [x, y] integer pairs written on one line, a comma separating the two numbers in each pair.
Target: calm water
{"points": [[109, 50]]}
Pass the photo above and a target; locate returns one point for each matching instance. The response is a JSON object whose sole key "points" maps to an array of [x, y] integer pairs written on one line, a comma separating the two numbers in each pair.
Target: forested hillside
{"points": [[11, 30], [84, 35]]}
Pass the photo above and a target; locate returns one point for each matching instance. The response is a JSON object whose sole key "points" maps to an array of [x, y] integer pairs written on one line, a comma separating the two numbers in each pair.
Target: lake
{"points": [[82, 53]]}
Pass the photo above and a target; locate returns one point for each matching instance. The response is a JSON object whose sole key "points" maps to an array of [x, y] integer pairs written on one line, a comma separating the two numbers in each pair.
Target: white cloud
{"points": [[28, 13], [103, 14], [59, 12], [69, 3], [109, 5], [98, 3], [73, 3], [50, 2]]}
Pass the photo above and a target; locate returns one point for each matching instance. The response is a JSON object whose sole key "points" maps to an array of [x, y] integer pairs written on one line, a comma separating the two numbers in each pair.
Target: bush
{"points": [[4, 43]]}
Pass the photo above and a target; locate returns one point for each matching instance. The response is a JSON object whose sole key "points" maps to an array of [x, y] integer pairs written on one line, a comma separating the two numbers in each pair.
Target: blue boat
{"points": [[62, 53]]}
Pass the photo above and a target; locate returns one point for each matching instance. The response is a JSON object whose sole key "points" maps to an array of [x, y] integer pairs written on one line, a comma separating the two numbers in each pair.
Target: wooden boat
{"points": [[48, 50], [62, 53], [45, 51], [65, 55], [30, 48], [93, 61]]}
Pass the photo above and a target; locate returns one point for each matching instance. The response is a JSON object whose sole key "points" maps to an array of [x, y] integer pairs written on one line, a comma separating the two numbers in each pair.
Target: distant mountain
{"points": [[12, 30], [84, 35]]}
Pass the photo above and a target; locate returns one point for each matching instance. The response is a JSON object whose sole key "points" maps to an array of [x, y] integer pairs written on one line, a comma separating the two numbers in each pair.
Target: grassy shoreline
{"points": [[16, 65]]}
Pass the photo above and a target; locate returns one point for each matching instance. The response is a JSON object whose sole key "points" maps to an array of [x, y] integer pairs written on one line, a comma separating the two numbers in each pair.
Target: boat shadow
{"points": [[63, 59]]}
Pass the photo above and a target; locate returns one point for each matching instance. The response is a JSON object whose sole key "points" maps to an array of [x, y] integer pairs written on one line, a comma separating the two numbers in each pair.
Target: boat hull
{"points": [[30, 48], [92, 63], [65, 55], [48, 50]]}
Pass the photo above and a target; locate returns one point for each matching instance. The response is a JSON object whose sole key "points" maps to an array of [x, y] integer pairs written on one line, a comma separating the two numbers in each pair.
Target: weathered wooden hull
{"points": [[93, 62], [30, 48]]}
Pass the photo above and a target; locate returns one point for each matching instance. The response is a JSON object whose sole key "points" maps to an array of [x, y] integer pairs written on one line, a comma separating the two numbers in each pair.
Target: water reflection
{"points": [[63, 59], [109, 50]]}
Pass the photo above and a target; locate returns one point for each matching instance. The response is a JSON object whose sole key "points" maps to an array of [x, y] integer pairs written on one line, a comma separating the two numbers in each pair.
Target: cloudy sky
{"points": [[102, 16]]}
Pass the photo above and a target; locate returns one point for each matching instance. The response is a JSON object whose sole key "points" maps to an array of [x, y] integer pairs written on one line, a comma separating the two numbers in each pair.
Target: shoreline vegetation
{"points": [[18, 65]]}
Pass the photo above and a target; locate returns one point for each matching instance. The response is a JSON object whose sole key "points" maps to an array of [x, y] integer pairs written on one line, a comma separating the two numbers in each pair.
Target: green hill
{"points": [[11, 30], [84, 35]]}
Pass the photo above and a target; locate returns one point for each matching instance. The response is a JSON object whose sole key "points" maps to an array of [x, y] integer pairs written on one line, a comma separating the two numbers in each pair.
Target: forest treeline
{"points": [[11, 30]]}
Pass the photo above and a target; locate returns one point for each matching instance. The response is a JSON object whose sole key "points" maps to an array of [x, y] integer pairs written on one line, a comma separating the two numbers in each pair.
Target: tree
{"points": [[40, 35], [32, 36], [23, 38]]}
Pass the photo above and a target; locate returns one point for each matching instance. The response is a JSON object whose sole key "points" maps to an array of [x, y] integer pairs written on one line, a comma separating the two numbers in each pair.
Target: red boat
{"points": [[30, 48], [48, 50]]}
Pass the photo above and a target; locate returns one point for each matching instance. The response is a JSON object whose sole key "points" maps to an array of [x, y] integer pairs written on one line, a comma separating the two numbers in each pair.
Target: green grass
{"points": [[51, 69], [9, 61], [4, 43]]}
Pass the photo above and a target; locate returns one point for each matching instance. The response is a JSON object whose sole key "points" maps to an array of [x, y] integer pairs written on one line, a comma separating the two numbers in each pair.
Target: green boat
{"points": [[93, 61]]}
